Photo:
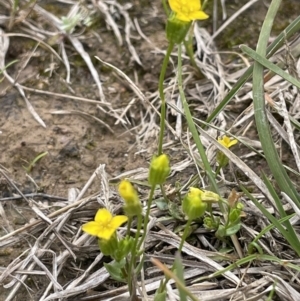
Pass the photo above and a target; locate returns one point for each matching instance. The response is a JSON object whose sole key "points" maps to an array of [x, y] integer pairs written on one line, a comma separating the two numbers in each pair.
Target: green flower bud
{"points": [[211, 224], [124, 248], [159, 170], [133, 205], [176, 29], [108, 246], [192, 204]]}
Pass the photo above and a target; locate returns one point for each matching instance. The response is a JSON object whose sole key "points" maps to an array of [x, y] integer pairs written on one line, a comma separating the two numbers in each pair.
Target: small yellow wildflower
{"points": [[227, 142], [188, 10], [104, 225]]}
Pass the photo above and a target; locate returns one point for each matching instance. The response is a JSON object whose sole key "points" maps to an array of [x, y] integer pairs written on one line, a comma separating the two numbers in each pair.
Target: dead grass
{"points": [[54, 247]]}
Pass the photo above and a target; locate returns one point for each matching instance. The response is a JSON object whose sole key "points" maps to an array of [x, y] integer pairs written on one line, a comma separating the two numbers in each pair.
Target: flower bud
{"points": [[211, 224], [209, 196], [159, 170], [133, 205], [176, 29], [192, 204], [108, 246]]}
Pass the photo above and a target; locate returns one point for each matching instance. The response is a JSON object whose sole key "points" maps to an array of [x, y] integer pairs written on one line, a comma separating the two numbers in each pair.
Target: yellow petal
{"points": [[103, 216], [232, 142], [91, 228], [198, 15], [106, 233], [175, 5], [117, 221]]}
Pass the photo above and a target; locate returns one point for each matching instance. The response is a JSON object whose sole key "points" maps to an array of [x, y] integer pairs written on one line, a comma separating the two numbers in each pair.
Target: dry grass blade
{"points": [[133, 86], [4, 43], [77, 45], [289, 130], [109, 19], [242, 166], [174, 240], [232, 18], [64, 112], [285, 290], [59, 262]]}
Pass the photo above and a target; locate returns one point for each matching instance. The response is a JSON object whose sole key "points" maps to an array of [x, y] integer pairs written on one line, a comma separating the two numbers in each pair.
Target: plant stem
{"points": [[146, 219], [162, 96]]}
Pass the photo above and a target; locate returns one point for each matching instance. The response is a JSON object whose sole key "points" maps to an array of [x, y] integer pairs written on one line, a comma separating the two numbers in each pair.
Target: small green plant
{"points": [[127, 253], [34, 161]]}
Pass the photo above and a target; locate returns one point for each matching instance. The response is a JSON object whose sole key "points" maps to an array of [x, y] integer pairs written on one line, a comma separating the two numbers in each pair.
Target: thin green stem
{"points": [[146, 219], [189, 49], [129, 226], [166, 8], [163, 284], [195, 133], [162, 96], [184, 235], [132, 263]]}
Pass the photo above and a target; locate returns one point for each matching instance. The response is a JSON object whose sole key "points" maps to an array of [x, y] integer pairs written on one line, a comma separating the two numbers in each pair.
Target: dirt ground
{"points": [[74, 140]]}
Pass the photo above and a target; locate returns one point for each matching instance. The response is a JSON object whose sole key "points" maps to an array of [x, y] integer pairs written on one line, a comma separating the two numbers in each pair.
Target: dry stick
{"points": [[65, 96]]}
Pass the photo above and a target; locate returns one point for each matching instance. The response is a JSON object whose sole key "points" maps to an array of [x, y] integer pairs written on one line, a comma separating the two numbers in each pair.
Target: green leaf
{"points": [[276, 44], [161, 204], [175, 211], [263, 61], [115, 270], [179, 271], [124, 248], [232, 229], [160, 296]]}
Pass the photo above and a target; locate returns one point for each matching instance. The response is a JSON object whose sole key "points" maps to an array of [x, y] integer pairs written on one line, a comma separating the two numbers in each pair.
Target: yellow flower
{"points": [[188, 10], [226, 142], [104, 225]]}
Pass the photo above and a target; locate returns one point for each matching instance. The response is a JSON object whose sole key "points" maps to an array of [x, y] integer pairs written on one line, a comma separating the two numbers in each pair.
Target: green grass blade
{"points": [[261, 119], [179, 271], [277, 43], [195, 134], [263, 61], [258, 257], [271, 226], [293, 241]]}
